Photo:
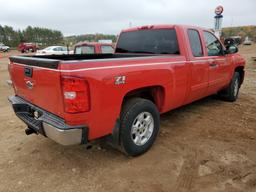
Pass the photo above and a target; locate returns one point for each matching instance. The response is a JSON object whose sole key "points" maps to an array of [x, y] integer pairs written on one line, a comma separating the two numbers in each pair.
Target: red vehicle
{"points": [[27, 47], [75, 99], [93, 48]]}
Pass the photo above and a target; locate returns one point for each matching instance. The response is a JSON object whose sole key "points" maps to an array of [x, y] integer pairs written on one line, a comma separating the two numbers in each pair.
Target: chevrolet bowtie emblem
{"points": [[29, 84]]}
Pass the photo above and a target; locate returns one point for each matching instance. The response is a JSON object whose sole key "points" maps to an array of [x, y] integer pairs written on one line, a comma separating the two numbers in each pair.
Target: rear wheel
{"points": [[139, 126], [232, 91]]}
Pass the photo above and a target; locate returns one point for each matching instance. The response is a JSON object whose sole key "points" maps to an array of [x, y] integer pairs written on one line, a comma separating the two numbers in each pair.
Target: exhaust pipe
{"points": [[30, 131]]}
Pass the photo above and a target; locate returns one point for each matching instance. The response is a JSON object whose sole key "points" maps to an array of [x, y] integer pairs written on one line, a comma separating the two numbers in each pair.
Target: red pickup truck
{"points": [[26, 47], [75, 99]]}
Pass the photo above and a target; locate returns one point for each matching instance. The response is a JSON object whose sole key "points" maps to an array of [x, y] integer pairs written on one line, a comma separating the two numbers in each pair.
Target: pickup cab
{"points": [[93, 48], [76, 99]]}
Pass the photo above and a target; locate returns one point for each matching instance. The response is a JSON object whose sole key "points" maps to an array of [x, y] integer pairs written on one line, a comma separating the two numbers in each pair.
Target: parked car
{"points": [[75, 99], [53, 50], [27, 47], [237, 40], [4, 48], [93, 48], [247, 41]]}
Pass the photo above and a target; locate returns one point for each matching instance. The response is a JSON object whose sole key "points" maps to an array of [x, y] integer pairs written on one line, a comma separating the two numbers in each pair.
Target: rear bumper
{"points": [[47, 124]]}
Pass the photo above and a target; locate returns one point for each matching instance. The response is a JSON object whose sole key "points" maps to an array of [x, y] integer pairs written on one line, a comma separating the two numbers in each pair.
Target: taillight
{"points": [[76, 95]]}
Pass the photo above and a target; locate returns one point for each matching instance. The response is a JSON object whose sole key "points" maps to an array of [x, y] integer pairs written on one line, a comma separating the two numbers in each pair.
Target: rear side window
{"points": [[107, 49], [85, 50], [195, 43], [154, 41]]}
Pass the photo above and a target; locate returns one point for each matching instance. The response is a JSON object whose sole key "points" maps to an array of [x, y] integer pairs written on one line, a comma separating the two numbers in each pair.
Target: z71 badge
{"points": [[119, 80]]}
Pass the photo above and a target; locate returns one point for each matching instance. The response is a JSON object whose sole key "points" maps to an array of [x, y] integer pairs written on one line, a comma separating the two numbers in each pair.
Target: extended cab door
{"points": [[199, 67], [219, 67]]}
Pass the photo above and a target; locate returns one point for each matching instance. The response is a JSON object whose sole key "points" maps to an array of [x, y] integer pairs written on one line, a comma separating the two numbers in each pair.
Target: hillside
{"points": [[242, 31]]}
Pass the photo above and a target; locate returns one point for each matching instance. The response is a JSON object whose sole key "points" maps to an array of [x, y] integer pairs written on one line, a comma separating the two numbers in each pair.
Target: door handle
{"points": [[213, 65]]}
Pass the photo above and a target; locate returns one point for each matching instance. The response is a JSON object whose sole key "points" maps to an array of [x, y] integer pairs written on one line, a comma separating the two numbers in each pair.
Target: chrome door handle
{"points": [[213, 65]]}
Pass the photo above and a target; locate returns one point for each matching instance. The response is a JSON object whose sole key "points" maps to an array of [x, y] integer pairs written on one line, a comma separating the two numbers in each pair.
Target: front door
{"points": [[218, 66]]}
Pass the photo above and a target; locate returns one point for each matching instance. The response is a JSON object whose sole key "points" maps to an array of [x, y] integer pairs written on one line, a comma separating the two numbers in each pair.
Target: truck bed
{"points": [[52, 61]]}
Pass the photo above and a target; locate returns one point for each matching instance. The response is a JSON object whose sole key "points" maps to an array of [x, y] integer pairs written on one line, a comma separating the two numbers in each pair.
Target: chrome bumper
{"points": [[47, 124], [63, 137]]}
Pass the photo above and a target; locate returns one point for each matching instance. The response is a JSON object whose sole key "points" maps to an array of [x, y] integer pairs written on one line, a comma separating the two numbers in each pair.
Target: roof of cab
{"points": [[166, 26]]}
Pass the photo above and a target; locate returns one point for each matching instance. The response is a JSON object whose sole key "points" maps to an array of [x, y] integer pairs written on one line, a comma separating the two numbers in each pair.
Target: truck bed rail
{"points": [[35, 61]]}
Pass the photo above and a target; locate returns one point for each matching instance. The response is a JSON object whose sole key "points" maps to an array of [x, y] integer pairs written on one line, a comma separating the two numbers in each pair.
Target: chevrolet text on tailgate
{"points": [[75, 99]]}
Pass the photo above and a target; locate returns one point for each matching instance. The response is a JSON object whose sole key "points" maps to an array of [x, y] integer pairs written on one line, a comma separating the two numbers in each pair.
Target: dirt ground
{"points": [[209, 145]]}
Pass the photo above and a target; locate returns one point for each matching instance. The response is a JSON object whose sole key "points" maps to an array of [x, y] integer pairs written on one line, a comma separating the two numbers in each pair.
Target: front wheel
{"points": [[140, 122], [232, 91]]}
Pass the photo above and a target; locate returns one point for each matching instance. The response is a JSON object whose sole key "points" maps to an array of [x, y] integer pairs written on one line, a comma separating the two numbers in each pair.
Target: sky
{"points": [[111, 16]]}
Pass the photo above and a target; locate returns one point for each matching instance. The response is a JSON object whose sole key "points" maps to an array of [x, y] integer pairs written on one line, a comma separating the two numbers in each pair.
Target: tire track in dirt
{"points": [[188, 173]]}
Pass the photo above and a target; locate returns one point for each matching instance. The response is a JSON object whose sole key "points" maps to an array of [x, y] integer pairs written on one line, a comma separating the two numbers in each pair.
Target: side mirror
{"points": [[231, 49]]}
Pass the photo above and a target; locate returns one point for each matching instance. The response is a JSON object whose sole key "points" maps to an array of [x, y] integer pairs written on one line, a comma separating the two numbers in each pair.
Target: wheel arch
{"points": [[155, 94], [240, 70]]}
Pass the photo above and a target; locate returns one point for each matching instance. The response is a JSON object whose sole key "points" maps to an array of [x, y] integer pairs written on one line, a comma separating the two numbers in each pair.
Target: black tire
{"points": [[132, 109], [232, 91]]}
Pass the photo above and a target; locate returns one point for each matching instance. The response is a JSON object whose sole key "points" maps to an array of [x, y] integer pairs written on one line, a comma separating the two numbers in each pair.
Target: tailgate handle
{"points": [[28, 72]]}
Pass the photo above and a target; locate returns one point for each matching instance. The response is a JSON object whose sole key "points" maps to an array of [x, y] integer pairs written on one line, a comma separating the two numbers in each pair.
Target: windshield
{"points": [[154, 41]]}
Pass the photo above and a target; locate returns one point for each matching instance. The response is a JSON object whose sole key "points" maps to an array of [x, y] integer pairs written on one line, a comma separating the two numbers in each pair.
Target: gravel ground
{"points": [[209, 145]]}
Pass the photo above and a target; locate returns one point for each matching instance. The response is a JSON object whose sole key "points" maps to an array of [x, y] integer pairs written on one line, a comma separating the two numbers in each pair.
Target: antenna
{"points": [[232, 21]]}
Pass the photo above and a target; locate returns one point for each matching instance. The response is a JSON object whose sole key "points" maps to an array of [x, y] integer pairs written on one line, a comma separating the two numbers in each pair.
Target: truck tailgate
{"points": [[37, 81]]}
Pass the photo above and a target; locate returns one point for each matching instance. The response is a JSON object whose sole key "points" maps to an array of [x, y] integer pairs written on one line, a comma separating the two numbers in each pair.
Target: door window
{"points": [[213, 45], [63, 49], [107, 49]]}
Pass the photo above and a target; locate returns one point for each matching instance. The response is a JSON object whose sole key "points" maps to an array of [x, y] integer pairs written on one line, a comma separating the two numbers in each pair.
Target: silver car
{"points": [[4, 48]]}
